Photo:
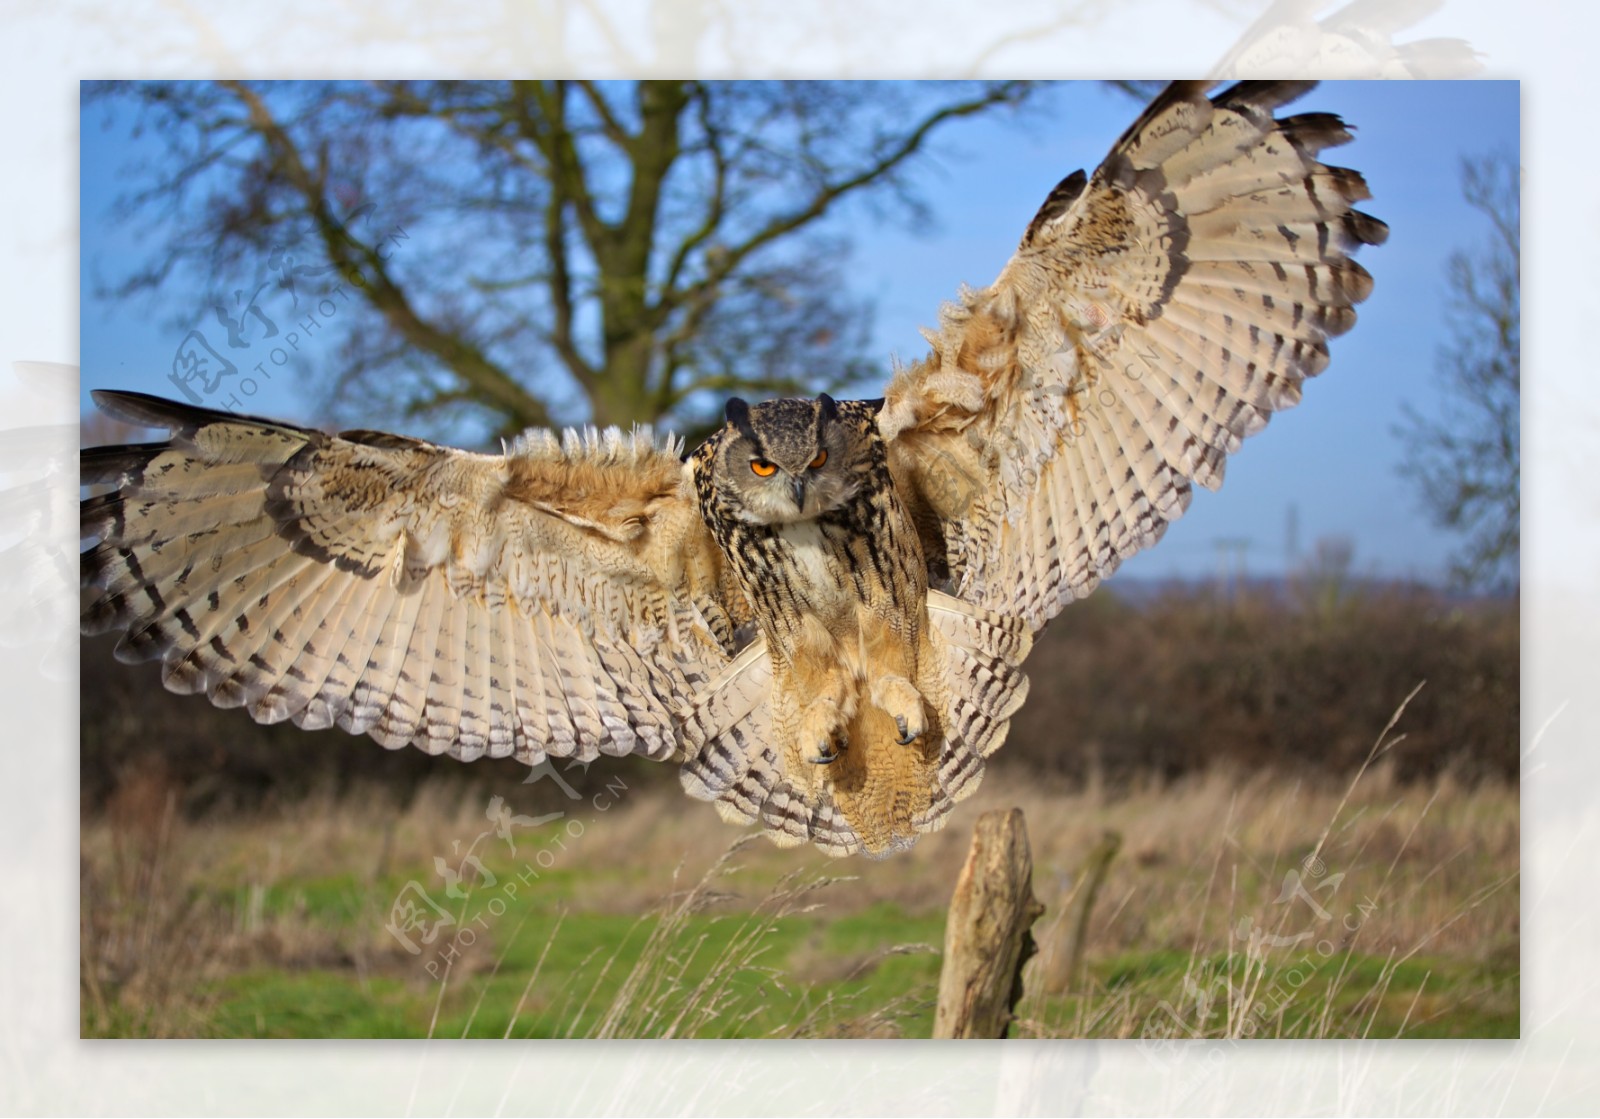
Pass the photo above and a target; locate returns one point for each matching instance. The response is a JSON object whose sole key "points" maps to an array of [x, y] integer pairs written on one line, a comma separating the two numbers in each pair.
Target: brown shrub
{"points": [[1293, 681]]}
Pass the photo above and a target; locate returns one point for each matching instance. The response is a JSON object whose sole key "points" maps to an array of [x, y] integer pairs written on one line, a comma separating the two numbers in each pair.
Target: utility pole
{"points": [[1230, 563]]}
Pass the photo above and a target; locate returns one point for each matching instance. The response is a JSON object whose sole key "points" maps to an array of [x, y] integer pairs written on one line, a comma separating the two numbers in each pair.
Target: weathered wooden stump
{"points": [[987, 938], [1062, 959]]}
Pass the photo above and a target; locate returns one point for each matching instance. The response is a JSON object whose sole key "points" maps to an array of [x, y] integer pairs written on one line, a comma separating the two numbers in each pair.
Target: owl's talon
{"points": [[827, 755], [829, 749], [899, 699]]}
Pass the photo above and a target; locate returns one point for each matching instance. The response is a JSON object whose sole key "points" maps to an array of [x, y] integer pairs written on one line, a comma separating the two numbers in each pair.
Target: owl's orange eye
{"points": [[822, 457], [763, 468]]}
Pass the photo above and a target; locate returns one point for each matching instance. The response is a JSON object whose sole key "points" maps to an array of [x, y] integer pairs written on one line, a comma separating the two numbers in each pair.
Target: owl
{"points": [[821, 614]]}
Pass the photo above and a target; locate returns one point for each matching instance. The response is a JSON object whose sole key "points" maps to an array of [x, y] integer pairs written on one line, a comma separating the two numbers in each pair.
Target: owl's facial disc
{"points": [[785, 460]]}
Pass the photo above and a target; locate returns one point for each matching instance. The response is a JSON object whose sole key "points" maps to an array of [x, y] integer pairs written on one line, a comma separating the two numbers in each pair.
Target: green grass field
{"points": [[1424, 997], [1238, 907]]}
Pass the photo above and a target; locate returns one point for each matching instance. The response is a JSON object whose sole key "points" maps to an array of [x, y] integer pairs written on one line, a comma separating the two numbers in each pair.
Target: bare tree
{"points": [[517, 253], [1467, 459]]}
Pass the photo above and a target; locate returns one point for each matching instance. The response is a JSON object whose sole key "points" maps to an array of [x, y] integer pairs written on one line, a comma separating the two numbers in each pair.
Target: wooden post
{"points": [[1064, 951], [986, 938]]}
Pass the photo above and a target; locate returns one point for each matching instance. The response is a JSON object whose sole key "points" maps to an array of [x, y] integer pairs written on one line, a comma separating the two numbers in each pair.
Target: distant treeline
{"points": [[1300, 676], [1301, 679]]}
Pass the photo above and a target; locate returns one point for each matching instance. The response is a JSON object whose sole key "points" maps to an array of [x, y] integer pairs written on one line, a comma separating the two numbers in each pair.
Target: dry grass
{"points": [[1309, 891], [171, 910], [660, 999]]}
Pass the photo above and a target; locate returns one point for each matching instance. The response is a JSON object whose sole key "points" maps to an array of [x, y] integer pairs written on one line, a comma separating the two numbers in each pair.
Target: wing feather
{"points": [[505, 728], [402, 722], [254, 635], [333, 633], [381, 692], [342, 692], [373, 687], [441, 708], [289, 628], [472, 730], [1152, 318], [562, 598]]}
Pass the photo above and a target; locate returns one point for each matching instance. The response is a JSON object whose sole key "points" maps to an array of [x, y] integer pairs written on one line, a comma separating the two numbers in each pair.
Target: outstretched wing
{"points": [[563, 598], [1154, 315]]}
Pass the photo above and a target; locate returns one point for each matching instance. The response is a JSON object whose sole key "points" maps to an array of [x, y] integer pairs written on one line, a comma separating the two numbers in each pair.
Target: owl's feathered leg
{"points": [[898, 698], [825, 717], [748, 732]]}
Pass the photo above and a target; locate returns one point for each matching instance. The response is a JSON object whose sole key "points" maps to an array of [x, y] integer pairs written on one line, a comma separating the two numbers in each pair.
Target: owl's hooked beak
{"points": [[797, 486]]}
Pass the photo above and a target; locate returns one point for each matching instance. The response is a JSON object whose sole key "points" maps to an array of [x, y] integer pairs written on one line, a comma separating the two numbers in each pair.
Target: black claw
{"points": [[906, 737], [827, 755]]}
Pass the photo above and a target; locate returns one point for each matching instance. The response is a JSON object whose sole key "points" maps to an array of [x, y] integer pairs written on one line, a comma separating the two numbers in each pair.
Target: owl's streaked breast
{"points": [[863, 555], [815, 566]]}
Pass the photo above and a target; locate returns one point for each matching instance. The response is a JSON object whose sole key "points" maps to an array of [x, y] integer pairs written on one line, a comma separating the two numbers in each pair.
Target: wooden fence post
{"points": [[1063, 954], [986, 937]]}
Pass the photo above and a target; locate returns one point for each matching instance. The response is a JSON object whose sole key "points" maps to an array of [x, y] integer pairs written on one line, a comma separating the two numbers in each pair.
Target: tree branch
{"points": [[824, 199], [559, 284], [716, 205], [548, 131], [626, 247], [346, 252], [614, 131]]}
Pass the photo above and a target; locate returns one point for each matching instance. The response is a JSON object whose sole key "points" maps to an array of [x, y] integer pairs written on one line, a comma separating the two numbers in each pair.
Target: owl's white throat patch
{"points": [[814, 566]]}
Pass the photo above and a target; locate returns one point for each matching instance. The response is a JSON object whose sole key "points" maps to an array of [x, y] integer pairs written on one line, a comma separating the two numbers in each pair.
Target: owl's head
{"points": [[787, 460]]}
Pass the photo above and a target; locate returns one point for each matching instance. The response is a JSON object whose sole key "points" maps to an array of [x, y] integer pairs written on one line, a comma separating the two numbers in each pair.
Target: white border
{"points": [[45, 1069]]}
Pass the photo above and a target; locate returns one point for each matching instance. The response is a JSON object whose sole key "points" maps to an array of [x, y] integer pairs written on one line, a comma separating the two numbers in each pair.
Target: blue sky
{"points": [[1333, 459]]}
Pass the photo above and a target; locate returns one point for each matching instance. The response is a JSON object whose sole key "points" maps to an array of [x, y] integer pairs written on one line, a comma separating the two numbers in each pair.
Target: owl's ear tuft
{"points": [[737, 412], [830, 407]]}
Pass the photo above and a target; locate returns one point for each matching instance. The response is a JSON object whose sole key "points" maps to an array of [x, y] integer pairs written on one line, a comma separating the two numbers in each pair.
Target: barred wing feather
{"points": [[1155, 314], [561, 599]]}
